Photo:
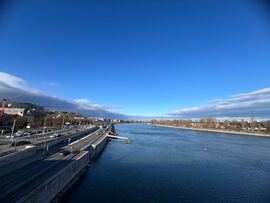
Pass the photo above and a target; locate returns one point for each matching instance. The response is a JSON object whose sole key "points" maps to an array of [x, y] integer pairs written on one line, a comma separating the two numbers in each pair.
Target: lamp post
{"points": [[44, 126], [63, 120], [12, 133], [45, 143]]}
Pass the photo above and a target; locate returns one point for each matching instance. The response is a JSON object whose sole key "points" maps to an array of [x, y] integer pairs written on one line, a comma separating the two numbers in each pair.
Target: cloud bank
{"points": [[244, 105], [15, 89], [252, 104]]}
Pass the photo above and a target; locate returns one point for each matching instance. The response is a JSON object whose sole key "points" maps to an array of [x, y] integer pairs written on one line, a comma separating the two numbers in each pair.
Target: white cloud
{"points": [[255, 103], [86, 104], [16, 89], [16, 82]]}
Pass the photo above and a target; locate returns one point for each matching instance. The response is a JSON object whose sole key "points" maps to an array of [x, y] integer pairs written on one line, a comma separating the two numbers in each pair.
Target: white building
{"points": [[14, 111]]}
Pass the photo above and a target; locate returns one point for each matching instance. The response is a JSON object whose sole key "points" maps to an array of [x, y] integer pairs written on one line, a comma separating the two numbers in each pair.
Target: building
{"points": [[14, 111]]}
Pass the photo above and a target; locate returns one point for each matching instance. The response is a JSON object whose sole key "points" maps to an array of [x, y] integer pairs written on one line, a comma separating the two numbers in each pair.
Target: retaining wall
{"points": [[96, 148], [47, 191]]}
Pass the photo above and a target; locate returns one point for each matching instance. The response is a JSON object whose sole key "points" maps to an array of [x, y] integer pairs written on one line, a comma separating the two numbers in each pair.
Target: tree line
{"points": [[251, 125]]}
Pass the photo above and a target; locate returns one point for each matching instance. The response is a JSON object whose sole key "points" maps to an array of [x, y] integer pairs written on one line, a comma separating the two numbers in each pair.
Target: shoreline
{"points": [[213, 130]]}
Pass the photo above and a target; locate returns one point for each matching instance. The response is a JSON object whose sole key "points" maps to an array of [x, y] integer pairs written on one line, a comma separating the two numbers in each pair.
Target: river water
{"points": [[175, 165]]}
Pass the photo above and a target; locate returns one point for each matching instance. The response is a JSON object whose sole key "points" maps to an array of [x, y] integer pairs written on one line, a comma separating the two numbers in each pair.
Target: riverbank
{"points": [[213, 130]]}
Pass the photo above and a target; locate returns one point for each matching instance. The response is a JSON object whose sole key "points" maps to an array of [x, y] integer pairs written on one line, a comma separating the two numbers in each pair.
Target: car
{"points": [[65, 153], [26, 134], [54, 135], [20, 143], [19, 133]]}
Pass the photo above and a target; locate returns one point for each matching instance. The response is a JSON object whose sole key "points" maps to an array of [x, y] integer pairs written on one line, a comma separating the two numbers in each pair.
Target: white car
{"points": [[54, 135], [19, 133]]}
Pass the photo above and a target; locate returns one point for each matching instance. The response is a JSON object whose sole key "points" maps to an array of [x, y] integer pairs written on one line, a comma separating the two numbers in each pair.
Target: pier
{"points": [[125, 139]]}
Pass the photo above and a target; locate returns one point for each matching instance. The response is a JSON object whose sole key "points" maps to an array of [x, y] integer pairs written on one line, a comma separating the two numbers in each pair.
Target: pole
{"points": [[13, 126], [12, 133], [44, 127], [63, 120]]}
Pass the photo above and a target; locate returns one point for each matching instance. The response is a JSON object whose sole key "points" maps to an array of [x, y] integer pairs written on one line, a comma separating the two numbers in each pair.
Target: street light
{"points": [[44, 127], [63, 120], [12, 133]]}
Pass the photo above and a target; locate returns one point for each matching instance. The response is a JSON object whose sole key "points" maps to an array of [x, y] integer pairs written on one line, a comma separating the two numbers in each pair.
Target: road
{"points": [[6, 149], [17, 183]]}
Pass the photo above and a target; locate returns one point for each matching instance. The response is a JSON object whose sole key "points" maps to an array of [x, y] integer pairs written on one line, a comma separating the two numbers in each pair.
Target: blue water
{"points": [[172, 165]]}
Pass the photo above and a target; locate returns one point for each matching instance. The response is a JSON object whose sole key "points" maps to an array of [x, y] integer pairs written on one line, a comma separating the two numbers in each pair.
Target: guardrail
{"points": [[84, 142]]}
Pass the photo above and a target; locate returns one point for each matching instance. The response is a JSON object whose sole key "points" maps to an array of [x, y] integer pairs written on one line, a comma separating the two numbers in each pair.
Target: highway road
{"points": [[5, 147], [17, 183]]}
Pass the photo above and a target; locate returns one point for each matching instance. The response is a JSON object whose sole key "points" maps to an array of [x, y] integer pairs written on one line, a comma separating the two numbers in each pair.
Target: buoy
{"points": [[205, 149]]}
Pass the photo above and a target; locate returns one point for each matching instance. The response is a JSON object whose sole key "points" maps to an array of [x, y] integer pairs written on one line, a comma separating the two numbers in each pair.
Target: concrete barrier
{"points": [[83, 143], [97, 147], [47, 191]]}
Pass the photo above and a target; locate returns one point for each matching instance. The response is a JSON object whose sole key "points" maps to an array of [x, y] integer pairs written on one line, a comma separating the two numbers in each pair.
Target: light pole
{"points": [[44, 127], [63, 120], [12, 133]]}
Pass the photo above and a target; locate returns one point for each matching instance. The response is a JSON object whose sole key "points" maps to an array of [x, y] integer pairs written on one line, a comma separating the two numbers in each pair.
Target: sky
{"points": [[147, 58]]}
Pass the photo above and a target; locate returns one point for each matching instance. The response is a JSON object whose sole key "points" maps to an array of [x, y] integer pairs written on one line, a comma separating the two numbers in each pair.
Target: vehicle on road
{"points": [[19, 133], [65, 153], [20, 143], [26, 134], [54, 135]]}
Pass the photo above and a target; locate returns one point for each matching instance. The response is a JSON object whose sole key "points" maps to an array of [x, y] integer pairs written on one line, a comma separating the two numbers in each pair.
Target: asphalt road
{"points": [[17, 183], [6, 149]]}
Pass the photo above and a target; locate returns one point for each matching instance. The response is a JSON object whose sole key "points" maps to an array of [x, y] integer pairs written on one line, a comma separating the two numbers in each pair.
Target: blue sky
{"points": [[139, 57]]}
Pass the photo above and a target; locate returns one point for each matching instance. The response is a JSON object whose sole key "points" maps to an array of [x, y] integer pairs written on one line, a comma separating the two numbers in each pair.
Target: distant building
{"points": [[14, 111]]}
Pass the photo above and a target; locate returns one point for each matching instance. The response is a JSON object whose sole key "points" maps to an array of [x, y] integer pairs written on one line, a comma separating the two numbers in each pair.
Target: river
{"points": [[175, 165]]}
